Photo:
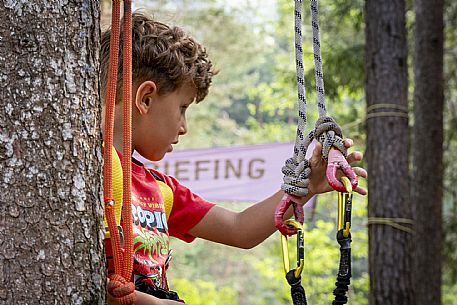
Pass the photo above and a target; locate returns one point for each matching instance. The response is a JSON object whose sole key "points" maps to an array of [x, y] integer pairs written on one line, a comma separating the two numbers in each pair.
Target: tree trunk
{"points": [[427, 186], [387, 153], [50, 179]]}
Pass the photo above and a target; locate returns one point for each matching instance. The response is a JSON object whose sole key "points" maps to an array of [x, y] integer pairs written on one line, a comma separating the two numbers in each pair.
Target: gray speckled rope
{"points": [[296, 169], [327, 131], [319, 74]]}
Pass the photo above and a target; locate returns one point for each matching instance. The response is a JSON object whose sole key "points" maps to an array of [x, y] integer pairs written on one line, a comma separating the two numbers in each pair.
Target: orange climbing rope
{"points": [[119, 285]]}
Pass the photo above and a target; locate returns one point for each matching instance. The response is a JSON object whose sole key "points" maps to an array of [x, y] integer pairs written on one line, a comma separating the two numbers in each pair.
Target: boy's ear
{"points": [[145, 95]]}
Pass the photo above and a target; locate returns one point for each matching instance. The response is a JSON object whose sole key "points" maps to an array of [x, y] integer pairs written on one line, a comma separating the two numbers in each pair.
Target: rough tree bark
{"points": [[427, 178], [387, 153], [50, 158]]}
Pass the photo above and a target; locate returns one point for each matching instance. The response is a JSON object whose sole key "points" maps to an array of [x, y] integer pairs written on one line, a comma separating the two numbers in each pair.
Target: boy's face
{"points": [[161, 120]]}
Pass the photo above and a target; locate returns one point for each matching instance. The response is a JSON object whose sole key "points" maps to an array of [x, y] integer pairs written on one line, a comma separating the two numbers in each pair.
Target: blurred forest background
{"points": [[253, 101]]}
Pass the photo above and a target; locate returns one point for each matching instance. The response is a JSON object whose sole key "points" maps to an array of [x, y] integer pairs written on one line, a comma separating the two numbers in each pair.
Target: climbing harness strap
{"points": [[119, 285], [343, 237], [117, 190], [167, 194]]}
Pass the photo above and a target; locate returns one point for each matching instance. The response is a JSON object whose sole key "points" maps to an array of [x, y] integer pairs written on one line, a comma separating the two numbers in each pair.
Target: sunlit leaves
{"points": [[199, 292]]}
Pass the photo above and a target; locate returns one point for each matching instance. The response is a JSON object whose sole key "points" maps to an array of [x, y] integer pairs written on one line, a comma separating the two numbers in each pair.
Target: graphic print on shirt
{"points": [[150, 234]]}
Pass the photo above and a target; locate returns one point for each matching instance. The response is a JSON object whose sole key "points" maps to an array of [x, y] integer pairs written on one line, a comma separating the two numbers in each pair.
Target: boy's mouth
{"points": [[170, 149]]}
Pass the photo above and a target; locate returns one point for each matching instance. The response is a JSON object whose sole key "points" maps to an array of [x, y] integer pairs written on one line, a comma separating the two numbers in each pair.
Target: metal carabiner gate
{"points": [[345, 207], [300, 248], [293, 276]]}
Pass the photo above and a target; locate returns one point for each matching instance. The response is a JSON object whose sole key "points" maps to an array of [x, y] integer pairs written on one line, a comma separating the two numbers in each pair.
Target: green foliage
{"points": [[199, 292], [449, 293], [273, 100], [450, 147]]}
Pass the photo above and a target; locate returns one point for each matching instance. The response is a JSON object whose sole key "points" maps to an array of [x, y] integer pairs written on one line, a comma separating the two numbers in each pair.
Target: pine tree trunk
{"points": [[387, 153], [427, 180], [50, 159]]}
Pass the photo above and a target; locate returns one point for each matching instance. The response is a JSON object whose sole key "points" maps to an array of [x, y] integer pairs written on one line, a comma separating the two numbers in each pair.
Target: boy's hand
{"points": [[318, 180]]}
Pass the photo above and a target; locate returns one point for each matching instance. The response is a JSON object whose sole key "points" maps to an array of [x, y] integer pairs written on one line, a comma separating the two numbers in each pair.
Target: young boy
{"points": [[171, 71]]}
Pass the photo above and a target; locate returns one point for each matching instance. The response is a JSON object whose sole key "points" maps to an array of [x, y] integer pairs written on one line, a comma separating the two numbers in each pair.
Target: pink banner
{"points": [[241, 173]]}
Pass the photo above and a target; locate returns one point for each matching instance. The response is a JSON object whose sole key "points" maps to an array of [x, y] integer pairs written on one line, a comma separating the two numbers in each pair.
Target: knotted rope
{"points": [[297, 169], [119, 285]]}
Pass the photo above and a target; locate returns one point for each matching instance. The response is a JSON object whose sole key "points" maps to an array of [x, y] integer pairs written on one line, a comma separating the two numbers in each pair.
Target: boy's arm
{"points": [[250, 227], [245, 229]]}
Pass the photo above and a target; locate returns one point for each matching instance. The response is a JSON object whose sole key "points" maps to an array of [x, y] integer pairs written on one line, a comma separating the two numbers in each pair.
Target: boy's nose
{"points": [[183, 128]]}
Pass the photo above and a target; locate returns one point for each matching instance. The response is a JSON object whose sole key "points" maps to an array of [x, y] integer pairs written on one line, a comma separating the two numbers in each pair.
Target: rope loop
{"points": [[297, 169], [329, 134], [296, 177], [118, 286], [121, 289]]}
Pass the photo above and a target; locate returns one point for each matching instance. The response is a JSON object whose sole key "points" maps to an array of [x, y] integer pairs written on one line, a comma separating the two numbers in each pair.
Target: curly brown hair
{"points": [[166, 55]]}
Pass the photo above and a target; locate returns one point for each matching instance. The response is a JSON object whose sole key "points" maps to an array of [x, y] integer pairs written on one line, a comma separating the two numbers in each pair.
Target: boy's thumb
{"points": [[317, 152]]}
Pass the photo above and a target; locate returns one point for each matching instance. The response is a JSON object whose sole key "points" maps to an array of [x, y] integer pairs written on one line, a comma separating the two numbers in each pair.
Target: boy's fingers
{"points": [[348, 143], [361, 190], [317, 152], [354, 156], [360, 172], [297, 199]]}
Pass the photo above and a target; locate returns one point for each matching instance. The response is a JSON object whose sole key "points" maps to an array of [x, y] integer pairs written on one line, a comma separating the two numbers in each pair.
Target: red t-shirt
{"points": [[151, 229]]}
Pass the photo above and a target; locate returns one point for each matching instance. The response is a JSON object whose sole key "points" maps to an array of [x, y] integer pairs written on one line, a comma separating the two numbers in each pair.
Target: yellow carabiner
{"points": [[340, 211], [347, 184], [342, 197], [300, 248]]}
